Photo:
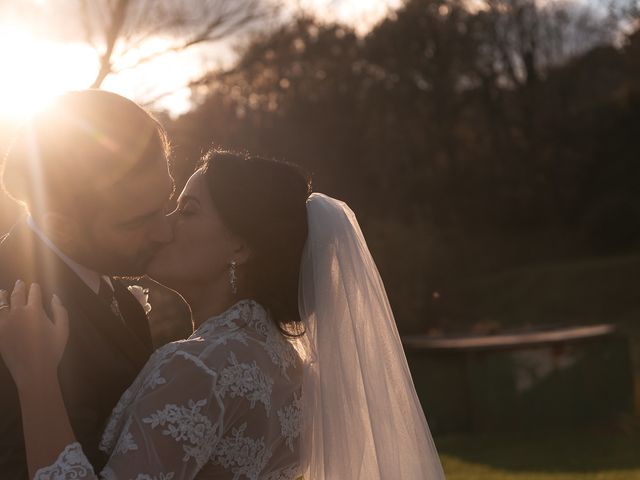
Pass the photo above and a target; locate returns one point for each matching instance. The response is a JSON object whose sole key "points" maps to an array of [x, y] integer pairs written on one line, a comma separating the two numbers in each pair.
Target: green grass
{"points": [[584, 455]]}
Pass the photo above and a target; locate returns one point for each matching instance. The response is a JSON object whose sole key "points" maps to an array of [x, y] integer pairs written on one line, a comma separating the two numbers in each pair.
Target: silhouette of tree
{"points": [[468, 141], [117, 28]]}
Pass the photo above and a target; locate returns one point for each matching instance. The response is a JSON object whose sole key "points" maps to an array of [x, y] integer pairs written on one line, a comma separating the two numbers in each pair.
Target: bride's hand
{"points": [[31, 343]]}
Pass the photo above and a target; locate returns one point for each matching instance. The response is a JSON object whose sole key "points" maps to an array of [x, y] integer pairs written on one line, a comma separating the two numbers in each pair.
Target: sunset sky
{"points": [[41, 55]]}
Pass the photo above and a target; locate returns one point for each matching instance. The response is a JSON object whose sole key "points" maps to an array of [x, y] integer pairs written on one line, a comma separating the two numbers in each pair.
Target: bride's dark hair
{"points": [[264, 202]]}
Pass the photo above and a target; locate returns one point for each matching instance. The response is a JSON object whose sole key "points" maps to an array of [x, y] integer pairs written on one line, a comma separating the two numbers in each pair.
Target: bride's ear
{"points": [[242, 253]]}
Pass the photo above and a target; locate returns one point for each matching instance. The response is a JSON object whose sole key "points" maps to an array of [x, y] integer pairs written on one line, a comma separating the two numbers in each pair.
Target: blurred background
{"points": [[490, 149]]}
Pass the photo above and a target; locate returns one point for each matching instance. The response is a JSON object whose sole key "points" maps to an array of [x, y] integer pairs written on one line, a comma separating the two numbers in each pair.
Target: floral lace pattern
{"points": [[126, 442], [187, 426], [201, 407], [241, 454], [71, 463], [279, 349], [246, 380], [290, 418]]}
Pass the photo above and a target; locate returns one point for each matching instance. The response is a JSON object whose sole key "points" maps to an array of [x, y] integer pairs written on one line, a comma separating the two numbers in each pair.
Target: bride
{"points": [[294, 369]]}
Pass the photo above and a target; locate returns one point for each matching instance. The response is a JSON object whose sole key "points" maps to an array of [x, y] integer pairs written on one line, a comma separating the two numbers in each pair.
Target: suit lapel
{"points": [[41, 264], [101, 316]]}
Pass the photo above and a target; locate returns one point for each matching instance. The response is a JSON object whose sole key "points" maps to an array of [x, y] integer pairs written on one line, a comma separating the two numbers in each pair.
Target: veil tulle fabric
{"points": [[363, 418]]}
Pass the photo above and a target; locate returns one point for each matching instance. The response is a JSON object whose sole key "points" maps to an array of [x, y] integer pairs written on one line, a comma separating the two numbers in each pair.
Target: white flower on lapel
{"points": [[142, 295]]}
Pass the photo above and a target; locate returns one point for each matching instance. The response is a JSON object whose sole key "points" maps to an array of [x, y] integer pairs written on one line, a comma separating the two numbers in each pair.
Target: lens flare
{"points": [[35, 70]]}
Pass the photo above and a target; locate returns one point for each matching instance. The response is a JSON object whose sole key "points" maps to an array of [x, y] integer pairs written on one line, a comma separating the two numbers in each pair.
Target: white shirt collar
{"points": [[88, 276]]}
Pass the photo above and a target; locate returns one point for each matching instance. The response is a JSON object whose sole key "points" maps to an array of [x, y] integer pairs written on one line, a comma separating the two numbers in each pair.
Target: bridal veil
{"points": [[363, 417]]}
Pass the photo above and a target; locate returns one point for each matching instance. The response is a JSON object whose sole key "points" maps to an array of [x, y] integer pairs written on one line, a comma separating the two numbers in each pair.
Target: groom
{"points": [[92, 173]]}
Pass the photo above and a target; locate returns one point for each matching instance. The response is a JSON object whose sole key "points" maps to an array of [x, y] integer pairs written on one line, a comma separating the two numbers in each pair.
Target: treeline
{"points": [[468, 142]]}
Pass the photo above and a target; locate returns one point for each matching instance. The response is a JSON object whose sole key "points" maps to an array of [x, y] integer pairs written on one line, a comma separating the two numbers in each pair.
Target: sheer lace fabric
{"points": [[224, 403]]}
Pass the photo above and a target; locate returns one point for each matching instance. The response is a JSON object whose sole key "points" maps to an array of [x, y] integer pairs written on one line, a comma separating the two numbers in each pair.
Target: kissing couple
{"points": [[294, 369]]}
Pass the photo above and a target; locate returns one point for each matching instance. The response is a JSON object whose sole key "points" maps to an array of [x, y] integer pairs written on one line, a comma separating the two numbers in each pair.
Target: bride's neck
{"points": [[207, 301]]}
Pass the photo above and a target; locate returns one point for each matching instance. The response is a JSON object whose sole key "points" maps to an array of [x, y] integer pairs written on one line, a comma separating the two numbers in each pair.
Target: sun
{"points": [[35, 70]]}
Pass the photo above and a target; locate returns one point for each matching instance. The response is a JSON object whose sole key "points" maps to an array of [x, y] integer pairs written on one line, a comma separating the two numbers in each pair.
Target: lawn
{"points": [[586, 291], [584, 455]]}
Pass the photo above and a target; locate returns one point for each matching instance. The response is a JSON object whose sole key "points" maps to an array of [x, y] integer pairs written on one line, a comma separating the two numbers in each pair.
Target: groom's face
{"points": [[131, 225]]}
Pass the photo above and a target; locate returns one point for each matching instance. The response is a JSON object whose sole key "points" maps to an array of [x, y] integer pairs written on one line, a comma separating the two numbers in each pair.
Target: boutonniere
{"points": [[142, 295]]}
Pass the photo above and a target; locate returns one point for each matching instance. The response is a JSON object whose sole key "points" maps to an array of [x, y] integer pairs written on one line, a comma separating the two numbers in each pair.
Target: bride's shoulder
{"points": [[242, 338], [243, 333], [243, 315], [239, 349], [230, 325]]}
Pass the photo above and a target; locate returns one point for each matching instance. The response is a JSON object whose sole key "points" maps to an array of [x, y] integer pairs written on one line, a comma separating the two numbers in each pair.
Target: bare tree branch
{"points": [[132, 23], [87, 23], [118, 16]]}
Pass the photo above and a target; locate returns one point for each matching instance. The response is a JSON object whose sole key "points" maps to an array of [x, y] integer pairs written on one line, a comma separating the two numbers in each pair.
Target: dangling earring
{"points": [[233, 280]]}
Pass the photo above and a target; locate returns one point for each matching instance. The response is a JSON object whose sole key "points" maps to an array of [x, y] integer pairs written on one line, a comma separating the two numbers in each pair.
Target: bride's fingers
{"points": [[4, 303], [35, 296], [18, 295], [60, 319], [60, 314]]}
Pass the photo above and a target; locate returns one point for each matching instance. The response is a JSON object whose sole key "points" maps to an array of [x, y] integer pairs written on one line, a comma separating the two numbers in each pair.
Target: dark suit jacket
{"points": [[102, 357]]}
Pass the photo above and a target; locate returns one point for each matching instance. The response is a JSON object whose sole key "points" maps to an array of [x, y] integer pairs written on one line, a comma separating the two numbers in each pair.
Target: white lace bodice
{"points": [[224, 403]]}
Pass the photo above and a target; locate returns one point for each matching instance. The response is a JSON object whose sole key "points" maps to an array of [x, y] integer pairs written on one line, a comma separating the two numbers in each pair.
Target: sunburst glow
{"points": [[35, 70]]}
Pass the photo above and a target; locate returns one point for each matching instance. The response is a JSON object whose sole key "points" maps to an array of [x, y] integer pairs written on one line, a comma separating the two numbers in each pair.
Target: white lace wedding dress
{"points": [[223, 404]]}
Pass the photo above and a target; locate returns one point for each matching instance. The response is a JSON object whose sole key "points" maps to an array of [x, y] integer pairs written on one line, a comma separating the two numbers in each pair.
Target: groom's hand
{"points": [[31, 343]]}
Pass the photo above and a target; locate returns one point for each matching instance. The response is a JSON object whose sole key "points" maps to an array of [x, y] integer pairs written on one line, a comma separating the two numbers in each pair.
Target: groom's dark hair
{"points": [[77, 149]]}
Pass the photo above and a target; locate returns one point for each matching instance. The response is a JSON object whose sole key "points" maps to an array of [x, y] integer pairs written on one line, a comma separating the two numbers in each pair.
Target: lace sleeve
{"points": [[71, 463], [169, 432]]}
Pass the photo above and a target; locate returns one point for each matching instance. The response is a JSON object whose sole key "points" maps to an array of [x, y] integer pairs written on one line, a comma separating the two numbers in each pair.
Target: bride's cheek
{"points": [[183, 233]]}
